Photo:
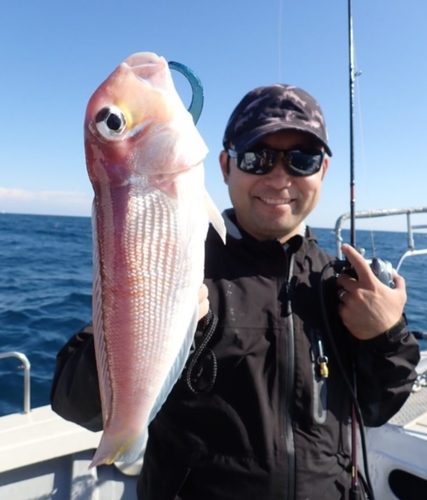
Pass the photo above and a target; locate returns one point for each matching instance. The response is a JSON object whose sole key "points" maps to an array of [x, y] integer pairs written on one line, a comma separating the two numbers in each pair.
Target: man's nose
{"points": [[279, 176]]}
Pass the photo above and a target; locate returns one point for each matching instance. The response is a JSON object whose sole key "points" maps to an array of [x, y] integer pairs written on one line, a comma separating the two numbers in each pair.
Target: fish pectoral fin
{"points": [[215, 217]]}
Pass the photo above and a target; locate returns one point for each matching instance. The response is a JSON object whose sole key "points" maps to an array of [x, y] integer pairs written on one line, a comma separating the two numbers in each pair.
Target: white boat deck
{"points": [[413, 414], [418, 426], [414, 411], [401, 445], [44, 457], [28, 438]]}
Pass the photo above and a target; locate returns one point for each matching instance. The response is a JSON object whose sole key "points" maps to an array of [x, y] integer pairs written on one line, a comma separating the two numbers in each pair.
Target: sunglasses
{"points": [[298, 162]]}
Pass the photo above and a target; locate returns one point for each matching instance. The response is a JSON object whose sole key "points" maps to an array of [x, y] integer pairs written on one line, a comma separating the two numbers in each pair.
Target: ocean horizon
{"points": [[46, 291]]}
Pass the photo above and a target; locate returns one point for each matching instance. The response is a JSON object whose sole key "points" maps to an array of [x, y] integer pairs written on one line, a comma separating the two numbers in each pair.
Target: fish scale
{"points": [[154, 296]]}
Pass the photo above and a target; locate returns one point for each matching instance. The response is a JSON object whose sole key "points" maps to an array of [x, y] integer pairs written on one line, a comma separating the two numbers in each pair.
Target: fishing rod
{"points": [[355, 488], [384, 272], [356, 416], [351, 103], [381, 268]]}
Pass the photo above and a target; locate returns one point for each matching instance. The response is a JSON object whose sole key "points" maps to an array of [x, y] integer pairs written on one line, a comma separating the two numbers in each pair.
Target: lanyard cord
{"points": [[210, 322]]}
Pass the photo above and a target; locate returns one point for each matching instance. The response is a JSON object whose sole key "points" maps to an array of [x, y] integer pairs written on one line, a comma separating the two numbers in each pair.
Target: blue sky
{"points": [[55, 54]]}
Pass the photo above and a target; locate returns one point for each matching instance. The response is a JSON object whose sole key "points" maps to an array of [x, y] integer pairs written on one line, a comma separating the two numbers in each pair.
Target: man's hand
{"points": [[203, 301], [367, 306]]}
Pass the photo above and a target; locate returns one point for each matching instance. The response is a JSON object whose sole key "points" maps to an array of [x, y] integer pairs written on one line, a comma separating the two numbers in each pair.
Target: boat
{"points": [[397, 451], [44, 457]]}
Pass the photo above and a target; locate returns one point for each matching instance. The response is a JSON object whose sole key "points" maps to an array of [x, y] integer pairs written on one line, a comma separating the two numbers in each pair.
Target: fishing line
{"points": [[279, 48], [362, 147]]}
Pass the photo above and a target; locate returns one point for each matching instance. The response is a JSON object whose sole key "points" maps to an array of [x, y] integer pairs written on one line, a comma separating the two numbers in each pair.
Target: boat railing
{"points": [[26, 366], [366, 214]]}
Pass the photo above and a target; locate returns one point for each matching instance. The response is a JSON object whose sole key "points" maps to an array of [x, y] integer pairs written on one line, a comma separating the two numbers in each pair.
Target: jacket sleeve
{"points": [[385, 371], [75, 392]]}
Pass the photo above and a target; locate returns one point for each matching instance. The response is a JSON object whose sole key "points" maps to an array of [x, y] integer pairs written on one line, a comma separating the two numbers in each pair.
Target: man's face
{"points": [[274, 205]]}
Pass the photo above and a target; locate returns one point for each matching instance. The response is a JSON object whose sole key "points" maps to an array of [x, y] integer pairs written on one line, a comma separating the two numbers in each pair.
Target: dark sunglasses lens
{"points": [[303, 164], [298, 163], [256, 162]]}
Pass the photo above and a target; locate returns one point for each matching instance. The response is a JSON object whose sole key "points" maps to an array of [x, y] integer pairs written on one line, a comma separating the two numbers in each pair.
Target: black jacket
{"points": [[255, 418]]}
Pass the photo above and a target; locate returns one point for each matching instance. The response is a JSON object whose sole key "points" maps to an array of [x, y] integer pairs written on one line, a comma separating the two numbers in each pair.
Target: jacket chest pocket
{"points": [[320, 371]]}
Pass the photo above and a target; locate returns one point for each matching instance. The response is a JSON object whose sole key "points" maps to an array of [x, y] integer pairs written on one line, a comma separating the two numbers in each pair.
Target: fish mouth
{"points": [[146, 65], [143, 59]]}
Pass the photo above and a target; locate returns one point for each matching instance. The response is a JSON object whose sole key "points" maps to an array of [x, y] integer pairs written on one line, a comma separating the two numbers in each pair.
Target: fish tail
{"points": [[112, 449]]}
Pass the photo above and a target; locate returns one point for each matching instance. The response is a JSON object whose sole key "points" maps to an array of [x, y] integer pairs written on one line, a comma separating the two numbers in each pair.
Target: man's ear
{"points": [[224, 161], [325, 166]]}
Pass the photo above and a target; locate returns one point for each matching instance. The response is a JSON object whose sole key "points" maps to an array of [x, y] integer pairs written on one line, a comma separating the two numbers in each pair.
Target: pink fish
{"points": [[150, 218]]}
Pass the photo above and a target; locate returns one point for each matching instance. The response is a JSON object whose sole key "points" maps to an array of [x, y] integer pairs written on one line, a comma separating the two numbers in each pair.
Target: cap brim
{"points": [[255, 136]]}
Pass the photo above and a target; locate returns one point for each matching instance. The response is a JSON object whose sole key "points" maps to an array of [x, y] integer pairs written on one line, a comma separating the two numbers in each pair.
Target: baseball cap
{"points": [[274, 108]]}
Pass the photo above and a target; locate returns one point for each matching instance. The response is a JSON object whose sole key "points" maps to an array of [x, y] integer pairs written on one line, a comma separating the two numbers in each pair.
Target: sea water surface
{"points": [[46, 287]]}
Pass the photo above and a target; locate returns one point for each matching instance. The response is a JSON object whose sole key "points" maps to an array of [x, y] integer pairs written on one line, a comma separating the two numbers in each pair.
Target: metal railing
{"points": [[366, 214], [26, 366]]}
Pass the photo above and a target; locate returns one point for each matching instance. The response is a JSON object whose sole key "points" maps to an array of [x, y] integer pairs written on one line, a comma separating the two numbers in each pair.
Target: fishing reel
{"points": [[382, 269]]}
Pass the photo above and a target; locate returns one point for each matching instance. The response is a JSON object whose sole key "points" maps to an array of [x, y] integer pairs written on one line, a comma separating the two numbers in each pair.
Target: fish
{"points": [[150, 216]]}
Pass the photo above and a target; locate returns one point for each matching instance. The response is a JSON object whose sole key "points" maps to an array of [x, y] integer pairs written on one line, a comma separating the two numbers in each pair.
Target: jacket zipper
{"points": [[289, 387]]}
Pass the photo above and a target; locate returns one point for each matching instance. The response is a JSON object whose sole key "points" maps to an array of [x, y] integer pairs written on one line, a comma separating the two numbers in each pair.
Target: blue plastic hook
{"points": [[196, 104]]}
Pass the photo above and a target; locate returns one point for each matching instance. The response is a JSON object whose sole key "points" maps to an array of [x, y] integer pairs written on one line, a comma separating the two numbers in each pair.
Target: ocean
{"points": [[46, 287]]}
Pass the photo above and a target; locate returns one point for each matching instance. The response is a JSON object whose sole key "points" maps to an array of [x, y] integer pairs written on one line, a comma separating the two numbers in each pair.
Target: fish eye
{"points": [[110, 122]]}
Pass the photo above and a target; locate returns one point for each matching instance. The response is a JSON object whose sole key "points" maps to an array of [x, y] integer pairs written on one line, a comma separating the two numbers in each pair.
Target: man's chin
{"points": [[278, 231]]}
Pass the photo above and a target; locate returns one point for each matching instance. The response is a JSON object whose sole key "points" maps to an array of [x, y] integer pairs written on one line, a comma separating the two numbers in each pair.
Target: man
{"points": [[262, 408]]}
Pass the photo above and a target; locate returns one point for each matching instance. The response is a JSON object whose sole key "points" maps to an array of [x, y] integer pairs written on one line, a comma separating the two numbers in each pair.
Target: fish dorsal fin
{"points": [[215, 217]]}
